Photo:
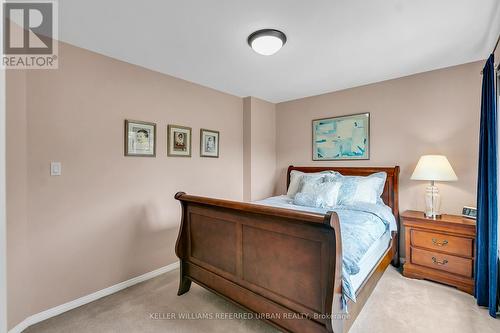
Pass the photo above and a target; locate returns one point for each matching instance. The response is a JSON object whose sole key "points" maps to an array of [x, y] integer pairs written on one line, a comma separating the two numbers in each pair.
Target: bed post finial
{"points": [[178, 195]]}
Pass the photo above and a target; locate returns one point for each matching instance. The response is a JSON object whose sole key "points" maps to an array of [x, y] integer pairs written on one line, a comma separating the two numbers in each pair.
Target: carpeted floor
{"points": [[397, 305]]}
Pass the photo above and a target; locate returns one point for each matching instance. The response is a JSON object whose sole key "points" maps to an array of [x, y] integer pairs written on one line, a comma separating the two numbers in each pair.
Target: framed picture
{"points": [[341, 138], [178, 141], [209, 143], [140, 138]]}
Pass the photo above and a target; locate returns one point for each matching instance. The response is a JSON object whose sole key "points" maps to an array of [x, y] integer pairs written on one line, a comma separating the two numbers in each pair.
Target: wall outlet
{"points": [[55, 168]]}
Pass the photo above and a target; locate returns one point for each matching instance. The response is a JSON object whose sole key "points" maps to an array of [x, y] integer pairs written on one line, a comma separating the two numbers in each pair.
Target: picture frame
{"points": [[179, 141], [341, 138], [139, 138], [209, 143]]}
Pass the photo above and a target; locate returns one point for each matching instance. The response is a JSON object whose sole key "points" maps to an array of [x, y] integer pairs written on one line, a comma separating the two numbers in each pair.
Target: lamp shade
{"points": [[434, 167]]}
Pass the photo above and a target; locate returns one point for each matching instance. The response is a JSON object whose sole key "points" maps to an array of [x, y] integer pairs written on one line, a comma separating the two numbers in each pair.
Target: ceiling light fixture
{"points": [[267, 41]]}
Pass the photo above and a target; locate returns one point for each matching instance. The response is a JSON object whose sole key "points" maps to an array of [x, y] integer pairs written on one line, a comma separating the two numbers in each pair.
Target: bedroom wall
{"points": [[435, 112], [3, 206], [108, 218], [17, 222], [259, 148]]}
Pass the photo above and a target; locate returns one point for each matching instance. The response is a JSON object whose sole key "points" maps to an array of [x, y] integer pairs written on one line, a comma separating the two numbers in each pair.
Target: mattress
{"points": [[370, 259]]}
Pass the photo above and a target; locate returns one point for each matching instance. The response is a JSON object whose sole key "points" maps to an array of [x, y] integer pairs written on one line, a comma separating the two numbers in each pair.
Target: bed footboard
{"points": [[280, 264]]}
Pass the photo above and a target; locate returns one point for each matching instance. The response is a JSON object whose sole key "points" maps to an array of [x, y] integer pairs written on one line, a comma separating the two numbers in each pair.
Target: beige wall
{"points": [[247, 148], [3, 206], [108, 218], [430, 113], [18, 274], [259, 148]]}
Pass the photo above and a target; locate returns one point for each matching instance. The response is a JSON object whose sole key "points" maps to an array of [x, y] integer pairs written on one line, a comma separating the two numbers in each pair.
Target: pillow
{"points": [[317, 194], [294, 185], [358, 189], [333, 176], [308, 182], [307, 200], [295, 178]]}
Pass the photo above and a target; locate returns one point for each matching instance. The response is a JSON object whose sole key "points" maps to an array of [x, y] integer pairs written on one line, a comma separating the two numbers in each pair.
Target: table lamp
{"points": [[433, 168]]}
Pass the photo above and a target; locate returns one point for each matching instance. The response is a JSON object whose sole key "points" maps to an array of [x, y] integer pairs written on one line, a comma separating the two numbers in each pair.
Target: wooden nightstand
{"points": [[441, 250]]}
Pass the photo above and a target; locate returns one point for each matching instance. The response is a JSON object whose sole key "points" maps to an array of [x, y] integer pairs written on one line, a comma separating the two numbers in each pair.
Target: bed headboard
{"points": [[390, 196]]}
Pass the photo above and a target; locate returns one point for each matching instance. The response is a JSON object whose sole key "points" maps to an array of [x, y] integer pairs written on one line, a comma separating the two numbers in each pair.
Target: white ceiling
{"points": [[332, 44]]}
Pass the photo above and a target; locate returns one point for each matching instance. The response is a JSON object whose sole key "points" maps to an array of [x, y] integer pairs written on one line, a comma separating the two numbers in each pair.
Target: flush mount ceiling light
{"points": [[267, 41]]}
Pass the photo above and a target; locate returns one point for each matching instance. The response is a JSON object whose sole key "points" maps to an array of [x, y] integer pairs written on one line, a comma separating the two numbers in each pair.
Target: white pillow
{"points": [[309, 182], [294, 185], [295, 178], [362, 189], [367, 190], [333, 176], [318, 194]]}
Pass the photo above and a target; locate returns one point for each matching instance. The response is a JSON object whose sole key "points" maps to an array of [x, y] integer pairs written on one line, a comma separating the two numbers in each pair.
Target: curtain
{"points": [[487, 215]]}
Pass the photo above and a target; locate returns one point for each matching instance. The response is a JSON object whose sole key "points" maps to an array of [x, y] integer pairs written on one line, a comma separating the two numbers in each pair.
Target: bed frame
{"points": [[283, 265]]}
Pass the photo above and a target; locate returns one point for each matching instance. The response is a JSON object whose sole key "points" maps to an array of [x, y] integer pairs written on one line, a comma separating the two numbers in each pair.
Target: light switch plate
{"points": [[55, 168]]}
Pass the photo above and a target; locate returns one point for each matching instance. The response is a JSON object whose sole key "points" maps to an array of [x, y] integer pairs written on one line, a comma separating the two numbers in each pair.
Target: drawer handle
{"points": [[438, 243], [440, 263]]}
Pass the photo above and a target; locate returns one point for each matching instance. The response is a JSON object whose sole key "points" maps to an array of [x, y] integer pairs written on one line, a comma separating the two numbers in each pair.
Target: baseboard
{"points": [[44, 315]]}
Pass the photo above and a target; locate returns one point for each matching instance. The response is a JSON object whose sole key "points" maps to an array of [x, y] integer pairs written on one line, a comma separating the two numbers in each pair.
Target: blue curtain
{"points": [[487, 214]]}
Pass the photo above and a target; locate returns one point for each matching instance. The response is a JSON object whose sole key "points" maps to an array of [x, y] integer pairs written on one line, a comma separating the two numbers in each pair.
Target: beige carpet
{"points": [[397, 305]]}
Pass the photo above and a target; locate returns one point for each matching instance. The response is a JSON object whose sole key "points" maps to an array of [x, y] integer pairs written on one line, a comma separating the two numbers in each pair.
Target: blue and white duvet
{"points": [[361, 225]]}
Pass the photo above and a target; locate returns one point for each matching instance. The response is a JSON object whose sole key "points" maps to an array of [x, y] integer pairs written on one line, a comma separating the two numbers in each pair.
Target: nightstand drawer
{"points": [[443, 262], [440, 242]]}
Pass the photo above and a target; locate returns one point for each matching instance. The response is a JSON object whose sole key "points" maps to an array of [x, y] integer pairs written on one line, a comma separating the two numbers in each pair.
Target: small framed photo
{"points": [[140, 138], [178, 141], [209, 143]]}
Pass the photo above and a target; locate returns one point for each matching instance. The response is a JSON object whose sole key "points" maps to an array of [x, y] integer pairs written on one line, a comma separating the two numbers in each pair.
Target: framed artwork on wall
{"points": [[178, 141], [140, 138], [209, 143], [341, 138]]}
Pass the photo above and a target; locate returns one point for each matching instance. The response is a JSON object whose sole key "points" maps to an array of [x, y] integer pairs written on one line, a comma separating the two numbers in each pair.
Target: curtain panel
{"points": [[486, 265]]}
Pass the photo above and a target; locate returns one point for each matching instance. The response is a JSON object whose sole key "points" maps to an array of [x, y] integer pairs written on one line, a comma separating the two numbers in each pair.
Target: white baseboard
{"points": [[44, 315]]}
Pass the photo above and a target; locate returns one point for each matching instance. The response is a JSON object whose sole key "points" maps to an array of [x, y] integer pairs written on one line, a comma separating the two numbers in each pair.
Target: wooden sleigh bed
{"points": [[284, 265]]}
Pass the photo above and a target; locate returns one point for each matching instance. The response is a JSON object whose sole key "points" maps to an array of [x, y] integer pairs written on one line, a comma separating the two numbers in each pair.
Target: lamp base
{"points": [[432, 202]]}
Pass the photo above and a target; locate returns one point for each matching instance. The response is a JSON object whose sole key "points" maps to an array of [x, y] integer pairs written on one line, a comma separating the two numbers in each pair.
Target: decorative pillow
{"points": [[333, 176], [317, 194], [309, 181], [307, 200], [295, 178], [362, 189]]}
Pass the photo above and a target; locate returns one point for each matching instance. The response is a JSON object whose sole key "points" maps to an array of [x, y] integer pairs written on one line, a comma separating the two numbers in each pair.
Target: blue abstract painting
{"points": [[342, 138]]}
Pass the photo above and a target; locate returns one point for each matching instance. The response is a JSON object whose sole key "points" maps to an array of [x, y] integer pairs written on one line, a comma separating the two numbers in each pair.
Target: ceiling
{"points": [[332, 44]]}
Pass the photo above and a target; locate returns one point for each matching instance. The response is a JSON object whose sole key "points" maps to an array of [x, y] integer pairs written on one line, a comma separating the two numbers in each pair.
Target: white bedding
{"points": [[370, 259], [282, 201]]}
